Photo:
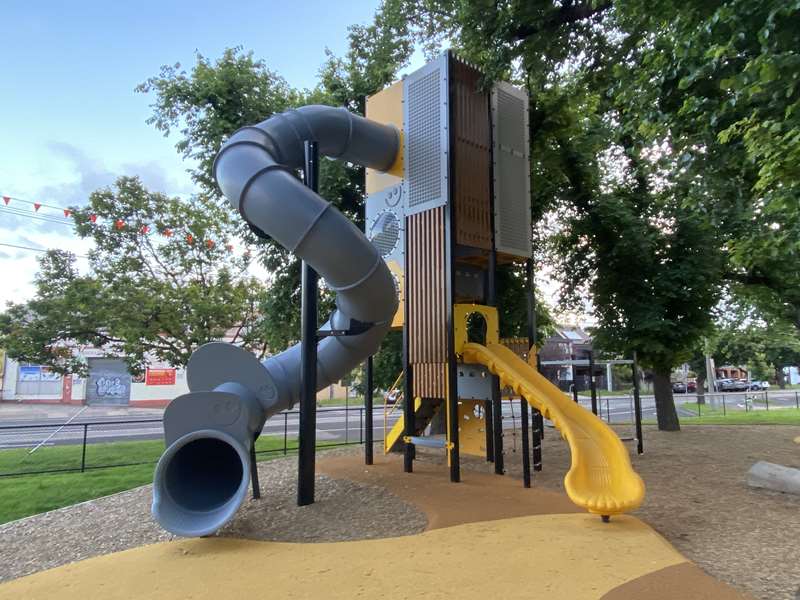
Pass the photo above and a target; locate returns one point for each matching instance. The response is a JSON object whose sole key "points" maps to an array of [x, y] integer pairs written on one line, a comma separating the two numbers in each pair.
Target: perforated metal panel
{"points": [[385, 228], [511, 168], [426, 139]]}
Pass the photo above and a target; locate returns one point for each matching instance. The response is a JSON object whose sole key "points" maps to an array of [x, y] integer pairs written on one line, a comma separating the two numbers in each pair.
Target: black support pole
{"points": [[368, 413], [497, 407], [308, 358], [523, 407], [488, 425], [637, 406], [592, 385], [537, 450], [408, 373], [454, 452], [254, 471]]}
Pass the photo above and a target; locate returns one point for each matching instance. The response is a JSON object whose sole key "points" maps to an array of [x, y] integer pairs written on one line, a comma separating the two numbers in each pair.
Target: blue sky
{"points": [[70, 121]]}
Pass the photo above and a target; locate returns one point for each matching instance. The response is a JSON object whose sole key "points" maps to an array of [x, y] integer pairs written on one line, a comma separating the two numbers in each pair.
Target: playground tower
{"points": [[454, 205]]}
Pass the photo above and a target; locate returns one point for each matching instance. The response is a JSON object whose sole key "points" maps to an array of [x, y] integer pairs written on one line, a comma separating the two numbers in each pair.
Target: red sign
{"points": [[160, 377]]}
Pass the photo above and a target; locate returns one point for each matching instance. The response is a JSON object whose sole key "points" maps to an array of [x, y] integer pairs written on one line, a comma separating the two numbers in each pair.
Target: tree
{"points": [[745, 338], [720, 80], [216, 98], [163, 281]]}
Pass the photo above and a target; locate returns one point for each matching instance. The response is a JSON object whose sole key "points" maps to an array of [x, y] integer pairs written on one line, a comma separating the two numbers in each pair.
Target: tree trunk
{"points": [[665, 404], [701, 388], [780, 378]]}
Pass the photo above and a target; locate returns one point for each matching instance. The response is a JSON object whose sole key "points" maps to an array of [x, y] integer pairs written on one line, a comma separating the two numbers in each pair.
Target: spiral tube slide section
{"points": [[256, 172], [201, 479]]}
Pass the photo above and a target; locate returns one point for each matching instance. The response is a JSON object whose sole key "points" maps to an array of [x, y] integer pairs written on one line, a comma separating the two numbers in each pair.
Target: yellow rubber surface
{"points": [[601, 478], [569, 556]]}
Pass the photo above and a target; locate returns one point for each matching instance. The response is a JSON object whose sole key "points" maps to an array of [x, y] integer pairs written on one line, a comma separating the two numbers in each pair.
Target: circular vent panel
{"points": [[385, 232]]}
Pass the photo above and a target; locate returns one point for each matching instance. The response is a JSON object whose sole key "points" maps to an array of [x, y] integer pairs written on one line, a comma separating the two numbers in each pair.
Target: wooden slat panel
{"points": [[429, 380], [426, 290], [471, 156]]}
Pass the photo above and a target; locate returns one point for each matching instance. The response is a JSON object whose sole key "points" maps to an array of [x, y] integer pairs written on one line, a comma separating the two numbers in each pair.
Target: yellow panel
{"points": [[461, 313], [387, 107], [471, 427], [397, 271]]}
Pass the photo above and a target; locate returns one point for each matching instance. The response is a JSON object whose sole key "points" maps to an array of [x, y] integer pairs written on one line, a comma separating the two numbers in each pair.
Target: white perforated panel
{"points": [[426, 139], [512, 197]]}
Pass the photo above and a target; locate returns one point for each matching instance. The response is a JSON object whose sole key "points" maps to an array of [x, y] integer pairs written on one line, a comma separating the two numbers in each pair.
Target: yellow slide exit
{"points": [[601, 478]]}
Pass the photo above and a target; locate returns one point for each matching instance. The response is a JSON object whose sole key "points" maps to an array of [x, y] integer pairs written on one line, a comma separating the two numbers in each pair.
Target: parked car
{"points": [[732, 385], [691, 386], [678, 387], [759, 386]]}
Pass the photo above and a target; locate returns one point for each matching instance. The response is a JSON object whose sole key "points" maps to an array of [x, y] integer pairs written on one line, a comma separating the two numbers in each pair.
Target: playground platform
{"points": [[486, 537]]}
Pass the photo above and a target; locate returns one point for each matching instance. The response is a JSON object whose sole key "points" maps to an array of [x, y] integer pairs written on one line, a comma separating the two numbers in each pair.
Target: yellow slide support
{"points": [[601, 478]]}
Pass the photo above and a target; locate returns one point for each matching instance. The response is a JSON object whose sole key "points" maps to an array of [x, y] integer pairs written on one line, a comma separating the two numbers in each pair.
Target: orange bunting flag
{"points": [[144, 229], [6, 199], [189, 238], [210, 244], [67, 212], [167, 232], [36, 207], [93, 218], [119, 223]]}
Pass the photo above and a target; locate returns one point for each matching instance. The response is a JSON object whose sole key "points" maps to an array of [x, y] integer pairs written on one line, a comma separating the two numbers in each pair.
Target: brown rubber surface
{"points": [[685, 580], [478, 497]]}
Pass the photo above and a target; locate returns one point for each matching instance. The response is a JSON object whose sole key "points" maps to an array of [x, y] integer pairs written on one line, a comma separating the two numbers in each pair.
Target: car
{"points": [[759, 386], [731, 385], [678, 387], [741, 385], [691, 386]]}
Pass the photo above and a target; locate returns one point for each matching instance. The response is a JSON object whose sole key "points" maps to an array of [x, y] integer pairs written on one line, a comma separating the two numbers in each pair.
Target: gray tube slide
{"points": [[202, 477]]}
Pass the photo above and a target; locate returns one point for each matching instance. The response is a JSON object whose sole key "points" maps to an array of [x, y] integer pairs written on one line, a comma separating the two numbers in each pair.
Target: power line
{"points": [[27, 215], [34, 249]]}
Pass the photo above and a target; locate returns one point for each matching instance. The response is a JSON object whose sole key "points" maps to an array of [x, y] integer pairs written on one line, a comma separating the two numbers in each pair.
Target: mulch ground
{"points": [[697, 498], [344, 510]]}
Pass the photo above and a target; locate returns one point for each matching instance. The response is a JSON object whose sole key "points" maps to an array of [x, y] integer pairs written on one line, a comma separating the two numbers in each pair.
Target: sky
{"points": [[70, 121]]}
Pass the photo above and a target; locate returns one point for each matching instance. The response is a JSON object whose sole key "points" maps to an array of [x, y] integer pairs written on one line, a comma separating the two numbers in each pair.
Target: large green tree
{"points": [[162, 281]]}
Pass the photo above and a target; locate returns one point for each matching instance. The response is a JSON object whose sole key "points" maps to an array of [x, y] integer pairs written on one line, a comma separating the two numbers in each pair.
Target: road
{"points": [[335, 424]]}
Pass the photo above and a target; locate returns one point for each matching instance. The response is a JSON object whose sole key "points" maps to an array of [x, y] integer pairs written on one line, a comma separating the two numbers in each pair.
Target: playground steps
{"points": [[424, 411]]}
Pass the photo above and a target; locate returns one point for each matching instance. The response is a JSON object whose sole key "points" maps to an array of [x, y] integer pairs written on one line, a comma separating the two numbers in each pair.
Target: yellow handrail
{"points": [[386, 396]]}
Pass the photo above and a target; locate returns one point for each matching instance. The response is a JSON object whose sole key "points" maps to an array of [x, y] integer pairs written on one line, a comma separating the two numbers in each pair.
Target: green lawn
{"points": [[24, 495], [712, 416]]}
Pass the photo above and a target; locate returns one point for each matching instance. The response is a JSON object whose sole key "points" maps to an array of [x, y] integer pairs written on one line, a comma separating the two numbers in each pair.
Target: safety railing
{"points": [[81, 446]]}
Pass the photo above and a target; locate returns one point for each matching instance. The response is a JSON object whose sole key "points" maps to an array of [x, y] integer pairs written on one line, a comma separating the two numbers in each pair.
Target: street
{"points": [[337, 424]]}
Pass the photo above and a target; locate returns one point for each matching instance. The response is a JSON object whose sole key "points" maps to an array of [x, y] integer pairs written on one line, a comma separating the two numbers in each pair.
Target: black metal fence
{"points": [[100, 444]]}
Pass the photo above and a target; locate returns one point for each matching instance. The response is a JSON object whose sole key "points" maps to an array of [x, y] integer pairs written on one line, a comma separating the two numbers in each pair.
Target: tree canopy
{"points": [[163, 281]]}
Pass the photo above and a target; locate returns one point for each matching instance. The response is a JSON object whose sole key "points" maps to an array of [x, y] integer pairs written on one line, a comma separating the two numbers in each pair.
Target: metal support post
{"points": [[254, 471], [489, 426], [497, 408], [368, 413], [308, 361], [592, 385], [637, 406]]}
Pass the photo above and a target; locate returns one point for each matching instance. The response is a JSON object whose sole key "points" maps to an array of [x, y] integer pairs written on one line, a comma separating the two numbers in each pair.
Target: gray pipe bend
{"points": [[254, 170]]}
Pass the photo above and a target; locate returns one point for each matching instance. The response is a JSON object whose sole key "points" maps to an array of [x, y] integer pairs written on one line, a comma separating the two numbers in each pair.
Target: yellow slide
{"points": [[601, 478]]}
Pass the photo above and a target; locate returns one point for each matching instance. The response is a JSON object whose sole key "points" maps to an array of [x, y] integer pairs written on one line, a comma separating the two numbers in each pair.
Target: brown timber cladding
{"points": [[427, 301], [471, 153]]}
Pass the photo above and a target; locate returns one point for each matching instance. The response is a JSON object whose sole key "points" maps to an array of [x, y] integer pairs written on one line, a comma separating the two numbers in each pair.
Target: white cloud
{"points": [[65, 176]]}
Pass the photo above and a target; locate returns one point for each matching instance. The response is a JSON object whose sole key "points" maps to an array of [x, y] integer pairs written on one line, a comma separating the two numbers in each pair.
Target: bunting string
{"points": [[11, 206]]}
